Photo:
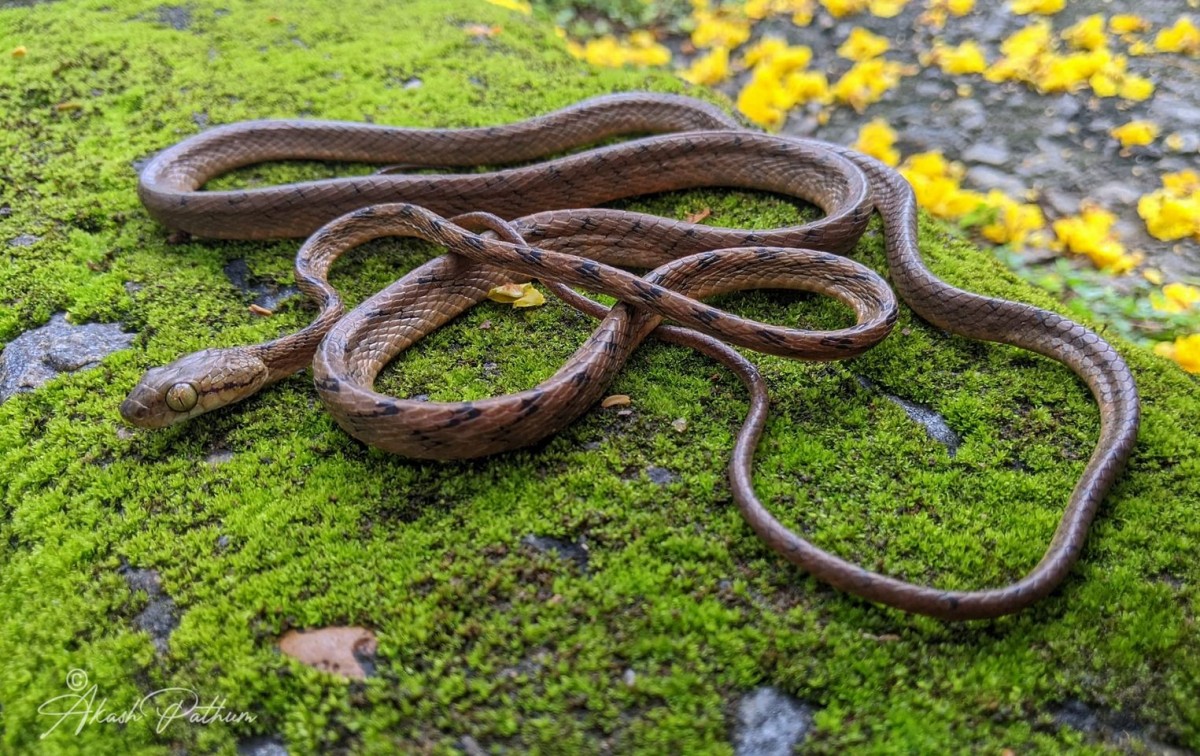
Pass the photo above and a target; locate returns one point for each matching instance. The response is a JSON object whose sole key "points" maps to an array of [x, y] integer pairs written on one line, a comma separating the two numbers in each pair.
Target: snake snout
{"points": [[141, 408]]}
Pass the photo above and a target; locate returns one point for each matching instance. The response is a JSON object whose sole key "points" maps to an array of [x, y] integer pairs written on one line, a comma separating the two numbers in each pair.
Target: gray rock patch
{"points": [[266, 293], [660, 475], [177, 17], [1111, 727], [935, 424], [24, 240], [770, 723], [37, 356], [575, 552], [263, 745], [159, 618]]}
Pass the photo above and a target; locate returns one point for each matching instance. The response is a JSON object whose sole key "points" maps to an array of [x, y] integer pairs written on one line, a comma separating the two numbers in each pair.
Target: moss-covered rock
{"points": [[176, 559]]}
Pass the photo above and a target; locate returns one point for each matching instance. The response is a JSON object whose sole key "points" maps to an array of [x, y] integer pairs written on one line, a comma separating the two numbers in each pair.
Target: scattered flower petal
{"points": [[877, 139], [1136, 133]]}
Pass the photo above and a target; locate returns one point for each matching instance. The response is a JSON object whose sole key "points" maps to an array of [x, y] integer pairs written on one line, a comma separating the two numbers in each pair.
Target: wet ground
{"points": [[1012, 138]]}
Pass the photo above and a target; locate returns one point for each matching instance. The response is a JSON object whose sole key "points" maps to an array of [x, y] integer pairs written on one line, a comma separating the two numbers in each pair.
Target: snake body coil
{"points": [[538, 221]]}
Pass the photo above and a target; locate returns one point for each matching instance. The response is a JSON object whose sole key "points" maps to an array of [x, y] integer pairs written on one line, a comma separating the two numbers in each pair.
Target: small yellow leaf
{"points": [[19, 52], [531, 298], [507, 293], [616, 400]]}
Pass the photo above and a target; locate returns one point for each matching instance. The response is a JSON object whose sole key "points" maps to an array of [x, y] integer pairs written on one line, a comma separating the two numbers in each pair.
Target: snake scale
{"points": [[539, 221]]}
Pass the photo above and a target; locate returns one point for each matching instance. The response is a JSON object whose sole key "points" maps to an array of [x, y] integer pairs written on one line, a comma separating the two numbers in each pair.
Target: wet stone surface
{"points": [[37, 356], [935, 424], [770, 723], [265, 292], [1010, 137], [576, 552], [1113, 728], [262, 746], [159, 618]]}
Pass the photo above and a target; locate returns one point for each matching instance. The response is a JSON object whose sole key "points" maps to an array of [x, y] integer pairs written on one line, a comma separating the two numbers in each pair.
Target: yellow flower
{"points": [[1066, 73], [784, 61], [1173, 212], [966, 58], [760, 9], [1127, 23], [877, 139], [639, 50], [710, 69], [887, 8], [514, 5], [1041, 7], [757, 100], [1024, 52], [935, 183], [1135, 88], [839, 8], [1153, 275], [764, 49], [863, 45], [517, 294], [1136, 133], [1176, 298], [1087, 33], [1014, 222], [1181, 182], [1183, 37], [806, 86], [1185, 351], [1091, 234], [719, 29], [1170, 217], [866, 82]]}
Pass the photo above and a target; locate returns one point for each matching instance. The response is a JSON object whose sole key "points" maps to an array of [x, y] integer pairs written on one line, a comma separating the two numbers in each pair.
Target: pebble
{"points": [[770, 723], [24, 240], [1116, 193], [985, 177], [989, 153]]}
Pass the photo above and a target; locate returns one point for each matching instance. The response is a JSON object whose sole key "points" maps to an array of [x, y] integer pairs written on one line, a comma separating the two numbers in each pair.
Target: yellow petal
{"points": [[507, 293], [531, 298]]}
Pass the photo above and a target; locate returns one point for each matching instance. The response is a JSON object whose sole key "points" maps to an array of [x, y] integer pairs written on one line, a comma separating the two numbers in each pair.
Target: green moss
{"points": [[480, 635]]}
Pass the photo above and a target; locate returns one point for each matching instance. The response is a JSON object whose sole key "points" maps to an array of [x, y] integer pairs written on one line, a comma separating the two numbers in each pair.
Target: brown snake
{"points": [[534, 226]]}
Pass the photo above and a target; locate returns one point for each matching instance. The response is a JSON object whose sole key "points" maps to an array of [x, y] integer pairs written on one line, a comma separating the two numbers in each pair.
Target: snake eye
{"points": [[182, 397]]}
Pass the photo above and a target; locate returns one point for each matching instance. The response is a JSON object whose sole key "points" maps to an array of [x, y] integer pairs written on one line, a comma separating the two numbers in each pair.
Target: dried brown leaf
{"points": [[337, 650]]}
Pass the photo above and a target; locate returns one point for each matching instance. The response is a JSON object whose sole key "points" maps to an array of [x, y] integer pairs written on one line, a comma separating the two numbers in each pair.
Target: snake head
{"points": [[192, 385]]}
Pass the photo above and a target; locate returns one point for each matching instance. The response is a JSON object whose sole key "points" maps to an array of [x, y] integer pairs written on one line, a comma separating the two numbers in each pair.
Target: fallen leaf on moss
{"points": [[616, 400], [19, 52], [480, 31], [337, 650], [517, 295], [699, 216], [261, 311]]}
